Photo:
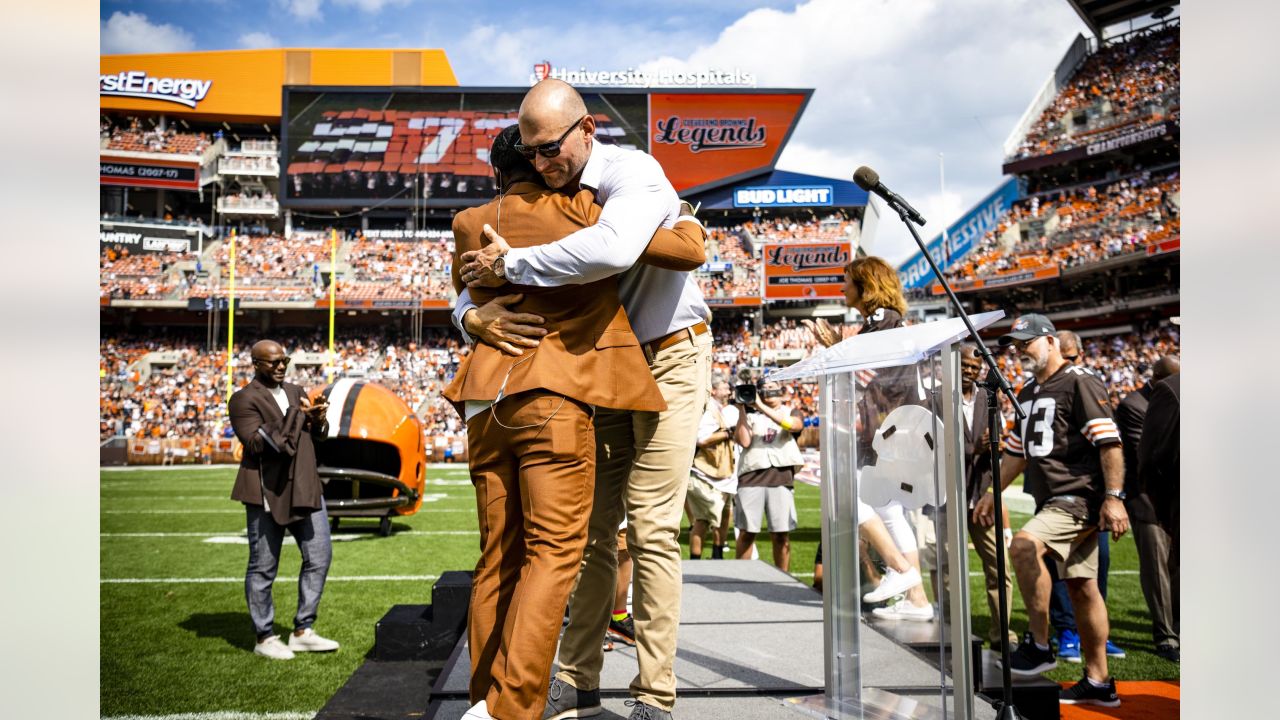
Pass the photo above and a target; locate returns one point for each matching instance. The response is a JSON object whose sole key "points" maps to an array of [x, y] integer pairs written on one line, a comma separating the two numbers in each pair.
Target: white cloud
{"points": [[303, 9], [258, 39], [371, 6], [128, 32], [895, 84], [487, 55]]}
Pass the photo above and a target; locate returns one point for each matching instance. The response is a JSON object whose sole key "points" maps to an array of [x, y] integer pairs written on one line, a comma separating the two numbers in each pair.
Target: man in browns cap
{"points": [[1068, 447]]}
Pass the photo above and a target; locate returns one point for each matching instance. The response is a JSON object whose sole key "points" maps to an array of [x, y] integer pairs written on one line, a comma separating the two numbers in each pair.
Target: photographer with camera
{"points": [[767, 431]]}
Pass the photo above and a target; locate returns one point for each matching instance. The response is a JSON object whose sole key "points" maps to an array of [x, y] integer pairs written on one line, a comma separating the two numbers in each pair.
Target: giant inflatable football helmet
{"points": [[373, 462]]}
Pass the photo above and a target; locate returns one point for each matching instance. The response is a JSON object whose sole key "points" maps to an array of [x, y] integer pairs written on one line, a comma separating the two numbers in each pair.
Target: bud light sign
{"points": [[780, 196]]}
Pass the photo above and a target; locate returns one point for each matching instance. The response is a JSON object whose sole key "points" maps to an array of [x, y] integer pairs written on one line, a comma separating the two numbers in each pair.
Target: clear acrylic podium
{"points": [[889, 404]]}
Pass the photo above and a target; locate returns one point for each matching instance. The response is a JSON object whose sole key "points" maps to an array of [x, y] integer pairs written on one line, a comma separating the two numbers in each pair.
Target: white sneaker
{"points": [[904, 610], [309, 641], [479, 711], [893, 583], [273, 648]]}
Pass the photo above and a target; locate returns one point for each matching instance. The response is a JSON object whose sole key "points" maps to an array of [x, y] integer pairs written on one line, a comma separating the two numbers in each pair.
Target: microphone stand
{"points": [[993, 383]]}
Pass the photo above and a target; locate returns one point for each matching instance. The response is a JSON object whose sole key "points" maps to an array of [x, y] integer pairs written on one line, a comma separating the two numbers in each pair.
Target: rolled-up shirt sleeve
{"points": [[638, 199]]}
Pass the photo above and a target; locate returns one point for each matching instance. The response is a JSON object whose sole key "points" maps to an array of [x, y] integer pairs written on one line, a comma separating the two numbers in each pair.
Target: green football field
{"points": [[176, 638]]}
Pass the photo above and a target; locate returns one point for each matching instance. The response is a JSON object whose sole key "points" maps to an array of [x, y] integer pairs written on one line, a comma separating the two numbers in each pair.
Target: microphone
{"points": [[869, 180]]}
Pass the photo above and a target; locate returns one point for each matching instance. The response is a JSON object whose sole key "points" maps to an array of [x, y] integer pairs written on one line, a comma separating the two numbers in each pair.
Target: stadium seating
{"points": [[185, 399], [1074, 228], [401, 268], [142, 276], [167, 142], [1122, 87], [785, 229]]}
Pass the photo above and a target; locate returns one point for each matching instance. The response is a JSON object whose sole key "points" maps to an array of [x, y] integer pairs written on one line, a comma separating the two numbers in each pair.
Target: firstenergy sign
{"points": [[138, 84]]}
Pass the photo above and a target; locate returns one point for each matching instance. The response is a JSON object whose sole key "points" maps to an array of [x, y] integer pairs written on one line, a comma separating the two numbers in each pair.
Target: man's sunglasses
{"points": [[284, 362], [547, 150]]}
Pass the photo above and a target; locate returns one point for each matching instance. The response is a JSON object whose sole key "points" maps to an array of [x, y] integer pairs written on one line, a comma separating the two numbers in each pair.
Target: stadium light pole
{"points": [[333, 284], [994, 383], [231, 315]]}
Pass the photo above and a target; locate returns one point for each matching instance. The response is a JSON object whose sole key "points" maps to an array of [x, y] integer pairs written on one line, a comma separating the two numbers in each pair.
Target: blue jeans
{"points": [[1061, 616], [265, 539]]}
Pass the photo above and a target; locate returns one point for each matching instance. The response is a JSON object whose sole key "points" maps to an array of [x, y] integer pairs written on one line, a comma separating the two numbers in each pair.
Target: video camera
{"points": [[747, 394]]}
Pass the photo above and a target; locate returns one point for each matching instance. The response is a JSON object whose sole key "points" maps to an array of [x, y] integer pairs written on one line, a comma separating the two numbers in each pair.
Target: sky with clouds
{"points": [[897, 82]]}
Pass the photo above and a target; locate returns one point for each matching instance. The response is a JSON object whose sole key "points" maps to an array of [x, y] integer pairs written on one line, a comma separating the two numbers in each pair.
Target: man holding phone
{"points": [[277, 426]]}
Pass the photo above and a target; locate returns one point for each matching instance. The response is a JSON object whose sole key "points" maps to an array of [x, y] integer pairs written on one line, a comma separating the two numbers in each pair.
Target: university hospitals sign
{"points": [[632, 77], [138, 84]]}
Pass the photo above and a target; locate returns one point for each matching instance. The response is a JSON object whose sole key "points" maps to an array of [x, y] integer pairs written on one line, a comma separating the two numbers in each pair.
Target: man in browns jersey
{"points": [[1069, 449]]}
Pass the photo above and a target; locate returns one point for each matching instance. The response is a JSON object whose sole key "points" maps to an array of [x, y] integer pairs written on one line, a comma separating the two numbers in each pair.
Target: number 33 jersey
{"points": [[1067, 419]]}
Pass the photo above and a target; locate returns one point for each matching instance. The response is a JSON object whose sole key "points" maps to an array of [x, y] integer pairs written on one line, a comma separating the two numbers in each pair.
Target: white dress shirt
{"points": [[636, 199]]}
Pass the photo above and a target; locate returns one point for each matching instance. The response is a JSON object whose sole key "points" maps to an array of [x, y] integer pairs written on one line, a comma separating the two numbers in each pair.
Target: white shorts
{"points": [[753, 504]]}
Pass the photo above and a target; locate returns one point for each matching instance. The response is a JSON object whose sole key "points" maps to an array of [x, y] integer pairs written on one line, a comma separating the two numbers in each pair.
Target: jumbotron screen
{"points": [[416, 145], [413, 146]]}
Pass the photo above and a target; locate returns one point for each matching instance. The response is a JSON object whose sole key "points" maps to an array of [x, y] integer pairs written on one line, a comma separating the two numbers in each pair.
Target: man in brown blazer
{"points": [[281, 490], [530, 431]]}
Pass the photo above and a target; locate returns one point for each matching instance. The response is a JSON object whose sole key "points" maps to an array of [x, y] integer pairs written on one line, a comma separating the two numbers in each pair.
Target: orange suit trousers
{"points": [[534, 479]]}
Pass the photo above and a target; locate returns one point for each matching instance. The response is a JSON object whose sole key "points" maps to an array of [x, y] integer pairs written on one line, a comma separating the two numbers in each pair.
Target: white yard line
{"points": [[240, 580], [979, 574], [218, 715], [242, 535], [163, 468], [215, 511], [166, 497]]}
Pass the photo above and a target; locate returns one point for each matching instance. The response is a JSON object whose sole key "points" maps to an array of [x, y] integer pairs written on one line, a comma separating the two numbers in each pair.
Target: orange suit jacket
{"points": [[589, 353]]}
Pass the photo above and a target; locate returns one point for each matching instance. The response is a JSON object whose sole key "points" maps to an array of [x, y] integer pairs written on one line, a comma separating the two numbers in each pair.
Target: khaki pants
{"points": [[984, 542], [533, 496], [642, 469]]}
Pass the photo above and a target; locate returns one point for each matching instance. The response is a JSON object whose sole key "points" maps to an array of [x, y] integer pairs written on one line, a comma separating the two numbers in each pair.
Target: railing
{"points": [[192, 225], [259, 147], [249, 165], [248, 205]]}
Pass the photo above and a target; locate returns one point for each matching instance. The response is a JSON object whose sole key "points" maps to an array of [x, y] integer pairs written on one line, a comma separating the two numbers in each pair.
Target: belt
{"points": [[657, 345]]}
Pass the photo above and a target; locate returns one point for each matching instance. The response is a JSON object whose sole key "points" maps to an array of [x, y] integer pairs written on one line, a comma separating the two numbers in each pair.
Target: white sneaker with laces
{"points": [[479, 711], [273, 648], [904, 610], [309, 641], [893, 583]]}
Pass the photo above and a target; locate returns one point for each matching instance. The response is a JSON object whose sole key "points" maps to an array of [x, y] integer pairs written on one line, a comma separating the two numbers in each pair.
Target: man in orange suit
{"points": [[530, 430]]}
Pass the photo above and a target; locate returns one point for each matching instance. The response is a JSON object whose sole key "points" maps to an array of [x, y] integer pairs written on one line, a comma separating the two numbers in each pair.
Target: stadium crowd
{"points": [[135, 138], [798, 229], [183, 399], [1124, 86], [1063, 228], [128, 276], [1077, 227], [179, 393]]}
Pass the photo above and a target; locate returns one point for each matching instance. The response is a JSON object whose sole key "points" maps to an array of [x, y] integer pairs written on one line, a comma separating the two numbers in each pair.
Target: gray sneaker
{"points": [[644, 711], [567, 701]]}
